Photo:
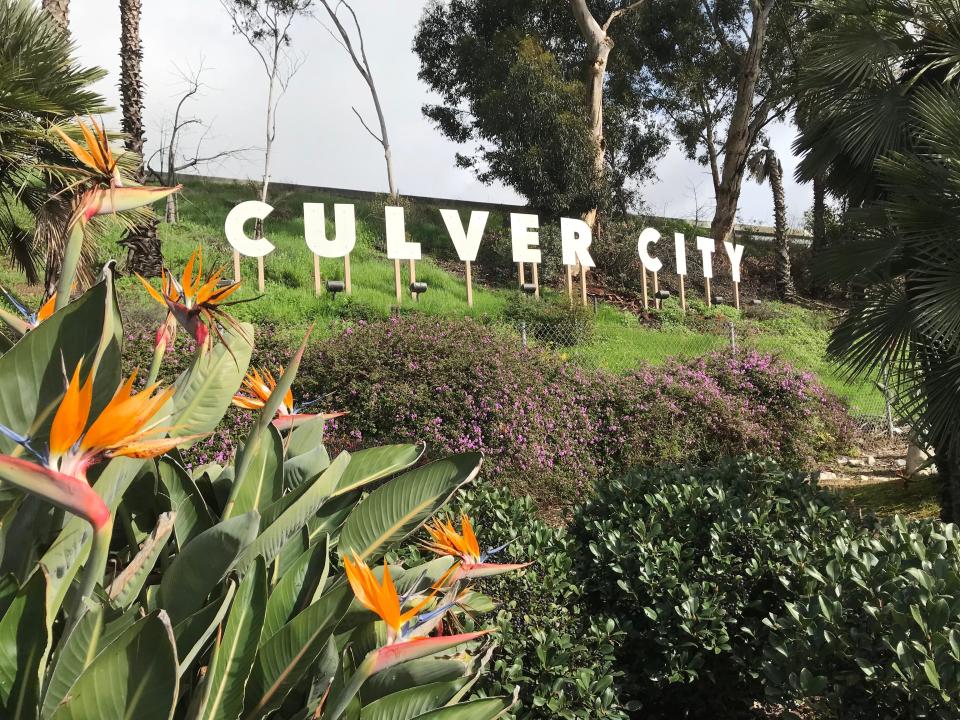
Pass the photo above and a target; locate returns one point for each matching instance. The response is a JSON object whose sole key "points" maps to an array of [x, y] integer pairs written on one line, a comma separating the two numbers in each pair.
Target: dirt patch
{"points": [[873, 478]]}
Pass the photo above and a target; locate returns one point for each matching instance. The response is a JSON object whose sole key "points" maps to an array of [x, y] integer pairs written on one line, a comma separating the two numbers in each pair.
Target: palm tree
{"points": [[40, 83], [144, 254], [59, 10], [884, 80], [764, 166]]}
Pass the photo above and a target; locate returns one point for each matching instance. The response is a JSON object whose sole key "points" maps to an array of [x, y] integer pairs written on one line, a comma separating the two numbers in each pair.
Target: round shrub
{"points": [[689, 563], [877, 633], [552, 646]]}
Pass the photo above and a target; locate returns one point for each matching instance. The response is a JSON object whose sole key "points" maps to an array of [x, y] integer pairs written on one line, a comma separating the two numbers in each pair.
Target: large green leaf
{"points": [[410, 703], [72, 546], [284, 659], [306, 437], [260, 467], [295, 517], [193, 516], [305, 467], [296, 588], [204, 391], [484, 709], [134, 678], [32, 372], [203, 563], [96, 629], [24, 640], [192, 636], [395, 510], [368, 466], [233, 658], [413, 674]]}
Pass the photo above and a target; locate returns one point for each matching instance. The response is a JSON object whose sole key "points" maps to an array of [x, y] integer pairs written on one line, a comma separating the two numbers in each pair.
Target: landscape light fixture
{"points": [[662, 295], [418, 288], [529, 288], [717, 300], [756, 301], [335, 286]]}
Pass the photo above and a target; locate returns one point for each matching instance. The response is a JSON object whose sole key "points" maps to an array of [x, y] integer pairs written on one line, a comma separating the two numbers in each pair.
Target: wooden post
{"points": [[683, 294], [236, 266], [347, 283], [736, 295], [261, 280], [469, 285], [706, 281], [570, 283], [583, 284], [316, 274], [646, 301], [396, 278], [536, 281], [656, 289], [521, 275], [413, 277]]}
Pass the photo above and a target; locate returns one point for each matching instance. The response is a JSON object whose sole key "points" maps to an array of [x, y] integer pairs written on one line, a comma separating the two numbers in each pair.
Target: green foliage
{"points": [[40, 82], [511, 81], [880, 89], [553, 645], [689, 563], [876, 633], [228, 599]]}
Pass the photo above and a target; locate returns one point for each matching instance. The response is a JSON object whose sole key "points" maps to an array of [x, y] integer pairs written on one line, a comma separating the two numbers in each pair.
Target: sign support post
{"points": [[536, 281], [683, 294], [656, 291], [469, 284], [316, 274], [236, 266], [348, 285], [413, 277], [261, 280], [396, 278]]}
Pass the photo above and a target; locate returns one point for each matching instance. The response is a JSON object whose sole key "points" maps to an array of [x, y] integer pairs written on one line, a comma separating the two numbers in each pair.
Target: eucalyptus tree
{"points": [[266, 26], [721, 71], [882, 81], [549, 106]]}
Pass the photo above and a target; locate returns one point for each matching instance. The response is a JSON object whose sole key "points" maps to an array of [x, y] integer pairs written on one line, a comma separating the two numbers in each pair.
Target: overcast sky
{"points": [[319, 140]]}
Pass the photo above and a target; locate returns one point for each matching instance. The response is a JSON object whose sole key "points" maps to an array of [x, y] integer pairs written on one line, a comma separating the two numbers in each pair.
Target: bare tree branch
{"points": [[620, 13], [362, 63]]}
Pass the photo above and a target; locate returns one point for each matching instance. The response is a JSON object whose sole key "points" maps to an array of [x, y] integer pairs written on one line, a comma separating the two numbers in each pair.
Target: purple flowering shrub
{"points": [[546, 428]]}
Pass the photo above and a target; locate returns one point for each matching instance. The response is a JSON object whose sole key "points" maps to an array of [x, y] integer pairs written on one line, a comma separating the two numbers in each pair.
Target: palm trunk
{"points": [[59, 10], [784, 278], [949, 472], [743, 130], [144, 255]]}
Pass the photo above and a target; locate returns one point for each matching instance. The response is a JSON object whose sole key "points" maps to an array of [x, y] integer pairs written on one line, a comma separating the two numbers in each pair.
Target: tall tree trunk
{"points": [[144, 255], [599, 46], [744, 127], [271, 133], [60, 12], [785, 287]]}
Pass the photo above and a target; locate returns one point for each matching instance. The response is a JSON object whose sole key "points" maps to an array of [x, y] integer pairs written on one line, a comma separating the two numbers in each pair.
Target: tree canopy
{"points": [[511, 75]]}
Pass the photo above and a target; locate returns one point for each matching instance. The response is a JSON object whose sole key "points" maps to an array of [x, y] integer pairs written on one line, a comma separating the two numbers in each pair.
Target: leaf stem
{"points": [[71, 261], [93, 570]]}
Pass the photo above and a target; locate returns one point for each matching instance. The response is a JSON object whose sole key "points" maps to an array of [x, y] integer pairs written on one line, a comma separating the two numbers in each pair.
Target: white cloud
{"points": [[319, 140]]}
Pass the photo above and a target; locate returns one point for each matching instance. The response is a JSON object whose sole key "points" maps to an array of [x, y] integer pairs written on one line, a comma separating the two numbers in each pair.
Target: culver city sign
{"points": [[575, 239]]}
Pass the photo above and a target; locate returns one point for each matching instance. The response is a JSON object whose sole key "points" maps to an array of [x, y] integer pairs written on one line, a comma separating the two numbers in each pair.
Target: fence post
{"points": [[733, 337], [523, 334]]}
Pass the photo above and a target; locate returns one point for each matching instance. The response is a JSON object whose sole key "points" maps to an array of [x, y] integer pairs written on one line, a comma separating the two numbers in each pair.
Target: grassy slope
{"points": [[290, 304]]}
